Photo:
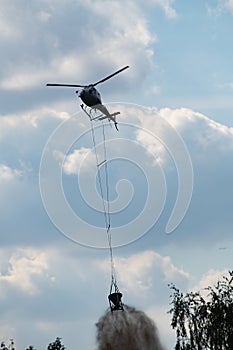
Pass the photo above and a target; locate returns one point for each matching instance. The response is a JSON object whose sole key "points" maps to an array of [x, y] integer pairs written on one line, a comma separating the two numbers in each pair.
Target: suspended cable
{"points": [[113, 272], [114, 295], [106, 217], [106, 211], [106, 175]]}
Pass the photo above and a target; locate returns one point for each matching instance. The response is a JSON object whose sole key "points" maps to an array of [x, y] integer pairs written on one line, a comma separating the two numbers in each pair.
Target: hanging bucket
{"points": [[115, 301]]}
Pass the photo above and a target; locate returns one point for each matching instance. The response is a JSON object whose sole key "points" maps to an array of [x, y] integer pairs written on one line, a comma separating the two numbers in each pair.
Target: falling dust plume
{"points": [[127, 330]]}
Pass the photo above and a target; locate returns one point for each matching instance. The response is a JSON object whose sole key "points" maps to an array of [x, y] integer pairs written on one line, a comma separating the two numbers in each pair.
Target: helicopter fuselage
{"points": [[90, 96]]}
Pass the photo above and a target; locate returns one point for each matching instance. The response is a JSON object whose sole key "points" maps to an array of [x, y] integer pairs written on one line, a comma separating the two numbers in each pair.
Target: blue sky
{"points": [[194, 58], [176, 138]]}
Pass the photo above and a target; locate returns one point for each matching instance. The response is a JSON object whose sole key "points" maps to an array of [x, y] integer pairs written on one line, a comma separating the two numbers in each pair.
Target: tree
{"points": [[11, 345], [56, 345], [204, 323], [31, 347], [3, 346]]}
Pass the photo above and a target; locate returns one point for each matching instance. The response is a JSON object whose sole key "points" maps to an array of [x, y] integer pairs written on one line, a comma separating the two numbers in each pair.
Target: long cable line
{"points": [[105, 211], [113, 272], [106, 207]]}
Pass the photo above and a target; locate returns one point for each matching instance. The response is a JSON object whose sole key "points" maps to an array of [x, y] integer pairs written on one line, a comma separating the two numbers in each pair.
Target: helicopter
{"points": [[91, 98]]}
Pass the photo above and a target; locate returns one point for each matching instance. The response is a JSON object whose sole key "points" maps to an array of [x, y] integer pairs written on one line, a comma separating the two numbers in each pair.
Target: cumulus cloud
{"points": [[24, 121], [81, 42], [210, 278], [24, 269], [204, 132], [139, 273], [143, 279], [49, 282], [39, 289], [82, 158], [127, 41], [210, 146], [204, 139]]}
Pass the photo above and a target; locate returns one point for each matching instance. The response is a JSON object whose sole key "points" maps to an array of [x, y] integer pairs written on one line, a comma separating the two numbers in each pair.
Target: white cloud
{"points": [[7, 173], [34, 75], [27, 121], [166, 5], [229, 5], [221, 7], [210, 278], [139, 273], [160, 315], [201, 134], [204, 138], [127, 40], [25, 267], [81, 42], [22, 80], [80, 159]]}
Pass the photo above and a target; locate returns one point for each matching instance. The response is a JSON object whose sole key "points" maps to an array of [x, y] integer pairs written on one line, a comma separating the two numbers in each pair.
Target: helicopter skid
{"points": [[113, 115], [101, 116], [98, 117]]}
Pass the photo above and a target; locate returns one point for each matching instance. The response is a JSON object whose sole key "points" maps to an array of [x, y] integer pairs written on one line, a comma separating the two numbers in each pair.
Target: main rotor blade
{"points": [[67, 85], [110, 76]]}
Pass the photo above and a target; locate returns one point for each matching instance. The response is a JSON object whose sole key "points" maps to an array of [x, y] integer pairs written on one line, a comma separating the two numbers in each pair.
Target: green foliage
{"points": [[204, 324], [56, 345]]}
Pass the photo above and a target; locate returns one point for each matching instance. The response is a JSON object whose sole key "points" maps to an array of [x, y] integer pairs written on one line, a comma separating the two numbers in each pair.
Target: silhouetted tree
{"points": [[204, 323], [11, 345], [56, 345], [3, 346]]}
